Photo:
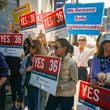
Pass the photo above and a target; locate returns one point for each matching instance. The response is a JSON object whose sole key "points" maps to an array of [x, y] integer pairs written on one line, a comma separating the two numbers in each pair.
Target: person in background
{"points": [[51, 47], [26, 46], [33, 92], [97, 47], [4, 74], [81, 56], [15, 80], [90, 60], [51, 43], [100, 67], [30, 37], [22, 70], [68, 78], [98, 38], [42, 38]]}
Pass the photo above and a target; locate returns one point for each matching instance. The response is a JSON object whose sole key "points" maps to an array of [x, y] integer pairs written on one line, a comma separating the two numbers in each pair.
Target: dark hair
{"points": [[97, 45], [100, 51], [27, 41], [71, 49], [26, 49], [97, 40], [64, 43]]}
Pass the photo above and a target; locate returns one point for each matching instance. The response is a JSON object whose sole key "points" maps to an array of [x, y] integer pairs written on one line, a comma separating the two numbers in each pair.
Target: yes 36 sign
{"points": [[28, 19], [54, 19], [50, 65]]}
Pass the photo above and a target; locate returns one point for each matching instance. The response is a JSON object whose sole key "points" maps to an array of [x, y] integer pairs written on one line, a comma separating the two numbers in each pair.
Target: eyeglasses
{"points": [[33, 47], [53, 42], [82, 40], [25, 43], [57, 47]]}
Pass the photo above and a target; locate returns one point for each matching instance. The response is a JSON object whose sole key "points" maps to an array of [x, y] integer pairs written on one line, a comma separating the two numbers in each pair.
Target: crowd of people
{"points": [[73, 68]]}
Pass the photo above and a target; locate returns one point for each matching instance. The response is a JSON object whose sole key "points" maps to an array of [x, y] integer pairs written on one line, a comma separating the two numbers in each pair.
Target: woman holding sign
{"points": [[68, 78], [100, 68], [35, 48]]}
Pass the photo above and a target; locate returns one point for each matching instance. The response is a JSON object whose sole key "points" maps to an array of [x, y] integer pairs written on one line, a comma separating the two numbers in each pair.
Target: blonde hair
{"points": [[42, 37], [38, 46]]}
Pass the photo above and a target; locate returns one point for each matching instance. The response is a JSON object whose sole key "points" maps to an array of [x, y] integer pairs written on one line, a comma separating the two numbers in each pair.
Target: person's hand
{"points": [[59, 88], [22, 56], [93, 83], [29, 68], [107, 81], [101, 78], [2, 81]]}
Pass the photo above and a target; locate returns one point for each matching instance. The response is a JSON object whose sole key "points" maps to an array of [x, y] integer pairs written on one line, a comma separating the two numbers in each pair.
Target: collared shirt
{"points": [[82, 57]]}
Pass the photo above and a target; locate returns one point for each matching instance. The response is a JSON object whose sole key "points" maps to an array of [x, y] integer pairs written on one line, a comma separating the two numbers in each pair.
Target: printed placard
{"points": [[11, 44], [55, 25], [94, 98], [28, 21], [45, 73], [84, 18], [40, 17], [55, 19], [22, 9]]}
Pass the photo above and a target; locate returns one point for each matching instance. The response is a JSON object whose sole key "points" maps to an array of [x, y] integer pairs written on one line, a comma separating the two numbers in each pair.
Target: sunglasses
{"points": [[33, 47], [25, 43], [57, 47], [81, 40], [53, 42]]}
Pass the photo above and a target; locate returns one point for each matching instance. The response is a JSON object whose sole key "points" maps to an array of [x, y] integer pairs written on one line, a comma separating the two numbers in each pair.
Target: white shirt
{"points": [[82, 57]]}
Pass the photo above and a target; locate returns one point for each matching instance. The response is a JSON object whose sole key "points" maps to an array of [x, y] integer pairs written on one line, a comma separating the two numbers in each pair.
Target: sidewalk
{"points": [[9, 103]]}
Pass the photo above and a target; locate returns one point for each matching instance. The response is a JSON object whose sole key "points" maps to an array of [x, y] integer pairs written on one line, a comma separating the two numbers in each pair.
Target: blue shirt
{"points": [[100, 64]]}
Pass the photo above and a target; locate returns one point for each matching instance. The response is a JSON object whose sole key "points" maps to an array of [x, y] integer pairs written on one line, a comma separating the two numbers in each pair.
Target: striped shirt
{"points": [[82, 57]]}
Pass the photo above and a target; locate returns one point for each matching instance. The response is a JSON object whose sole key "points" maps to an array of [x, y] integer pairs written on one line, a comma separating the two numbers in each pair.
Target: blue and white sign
{"points": [[84, 18]]}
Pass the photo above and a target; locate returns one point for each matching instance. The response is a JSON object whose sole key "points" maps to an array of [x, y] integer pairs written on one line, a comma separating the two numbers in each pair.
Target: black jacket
{"points": [[4, 69]]}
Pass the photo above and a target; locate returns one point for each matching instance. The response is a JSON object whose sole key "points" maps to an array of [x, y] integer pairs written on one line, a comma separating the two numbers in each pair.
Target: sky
{"points": [[107, 2]]}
